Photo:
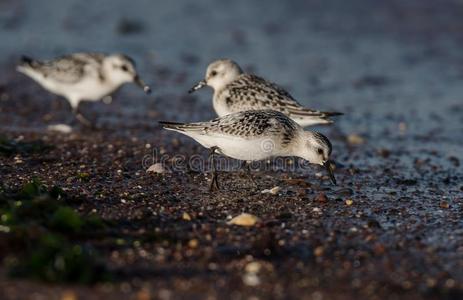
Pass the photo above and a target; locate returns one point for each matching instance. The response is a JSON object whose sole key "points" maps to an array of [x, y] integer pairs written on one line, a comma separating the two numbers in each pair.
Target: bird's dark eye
{"points": [[320, 151], [124, 68], [213, 73]]}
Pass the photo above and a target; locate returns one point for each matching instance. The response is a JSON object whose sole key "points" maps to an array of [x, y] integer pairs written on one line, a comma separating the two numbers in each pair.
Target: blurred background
{"points": [[380, 62]]}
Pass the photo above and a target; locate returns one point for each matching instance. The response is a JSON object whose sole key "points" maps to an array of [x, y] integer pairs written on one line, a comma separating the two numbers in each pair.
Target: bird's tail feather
{"points": [[27, 61], [313, 113], [27, 64], [172, 125], [183, 127], [332, 113]]}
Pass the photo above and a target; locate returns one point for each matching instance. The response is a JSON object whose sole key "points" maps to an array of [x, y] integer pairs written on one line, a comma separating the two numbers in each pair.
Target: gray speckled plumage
{"points": [[82, 76], [236, 91], [255, 135], [70, 68], [246, 125]]}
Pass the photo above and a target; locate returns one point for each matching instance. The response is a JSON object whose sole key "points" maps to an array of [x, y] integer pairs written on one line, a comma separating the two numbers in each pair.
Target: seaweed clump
{"points": [[43, 238]]}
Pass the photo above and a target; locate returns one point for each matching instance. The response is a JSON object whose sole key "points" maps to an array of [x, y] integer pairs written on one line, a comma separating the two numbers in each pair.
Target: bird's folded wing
{"points": [[72, 68], [256, 92], [253, 92]]}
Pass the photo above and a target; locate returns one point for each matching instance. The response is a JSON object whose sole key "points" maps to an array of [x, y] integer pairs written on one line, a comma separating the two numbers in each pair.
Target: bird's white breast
{"points": [[241, 148]]}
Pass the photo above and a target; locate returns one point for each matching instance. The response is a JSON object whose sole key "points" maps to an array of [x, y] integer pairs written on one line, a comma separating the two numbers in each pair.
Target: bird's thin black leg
{"points": [[215, 181], [247, 167], [80, 117]]}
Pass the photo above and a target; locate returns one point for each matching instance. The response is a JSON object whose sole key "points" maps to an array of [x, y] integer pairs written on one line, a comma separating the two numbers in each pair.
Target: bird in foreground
{"points": [[237, 91], [83, 76], [257, 135]]}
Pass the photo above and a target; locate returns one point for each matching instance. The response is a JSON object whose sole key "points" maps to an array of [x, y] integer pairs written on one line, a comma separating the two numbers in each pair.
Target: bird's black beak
{"points": [[142, 84], [327, 165], [198, 86]]}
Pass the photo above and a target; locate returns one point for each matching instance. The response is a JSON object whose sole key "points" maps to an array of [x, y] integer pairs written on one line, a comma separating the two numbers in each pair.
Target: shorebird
{"points": [[83, 76], [236, 91], [256, 135]]}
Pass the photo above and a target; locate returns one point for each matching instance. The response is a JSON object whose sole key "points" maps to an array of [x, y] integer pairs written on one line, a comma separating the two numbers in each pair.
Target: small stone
{"points": [[272, 191], [450, 283], [144, 294], [349, 202], [68, 295], [193, 243], [253, 267], [321, 197], [157, 168], [244, 219], [355, 139], [130, 26], [63, 128], [186, 216], [455, 161], [402, 127], [318, 251], [444, 204], [384, 152], [431, 282], [251, 279], [379, 249]]}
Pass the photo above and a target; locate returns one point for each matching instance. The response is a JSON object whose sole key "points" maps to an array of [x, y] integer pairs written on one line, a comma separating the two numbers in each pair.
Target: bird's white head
{"points": [[120, 69], [317, 149], [218, 74]]}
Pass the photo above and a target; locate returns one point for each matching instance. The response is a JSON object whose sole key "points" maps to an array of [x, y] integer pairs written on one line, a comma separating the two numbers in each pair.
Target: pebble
{"points": [[321, 197], [63, 128], [186, 216], [68, 295], [318, 251], [444, 204], [251, 279], [193, 243], [253, 267], [272, 191], [144, 294], [244, 219], [250, 276], [157, 168], [355, 139]]}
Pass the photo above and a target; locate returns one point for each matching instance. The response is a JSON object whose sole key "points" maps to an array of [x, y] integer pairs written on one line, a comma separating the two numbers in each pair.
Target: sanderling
{"points": [[256, 135], [83, 76], [236, 91]]}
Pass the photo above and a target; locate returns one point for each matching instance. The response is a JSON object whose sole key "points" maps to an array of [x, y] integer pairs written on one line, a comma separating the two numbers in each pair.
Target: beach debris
{"points": [[244, 219], [157, 168], [321, 197], [318, 251], [63, 128], [355, 139], [186, 216], [272, 191], [444, 204], [250, 276]]}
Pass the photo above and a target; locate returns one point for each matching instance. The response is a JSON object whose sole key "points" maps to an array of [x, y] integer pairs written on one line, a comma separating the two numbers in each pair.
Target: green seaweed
{"points": [[50, 235]]}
